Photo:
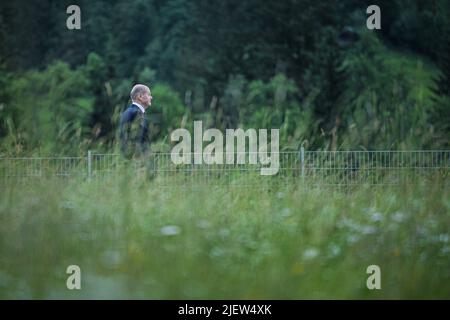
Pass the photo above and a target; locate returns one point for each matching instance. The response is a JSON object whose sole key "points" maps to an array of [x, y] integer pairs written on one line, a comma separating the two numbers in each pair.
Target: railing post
{"points": [[89, 163], [302, 161]]}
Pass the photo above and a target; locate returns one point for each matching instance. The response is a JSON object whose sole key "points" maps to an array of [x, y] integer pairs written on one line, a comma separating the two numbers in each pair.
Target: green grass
{"points": [[140, 240]]}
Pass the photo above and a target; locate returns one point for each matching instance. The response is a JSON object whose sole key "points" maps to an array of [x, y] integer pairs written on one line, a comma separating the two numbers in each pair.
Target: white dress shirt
{"points": [[139, 106]]}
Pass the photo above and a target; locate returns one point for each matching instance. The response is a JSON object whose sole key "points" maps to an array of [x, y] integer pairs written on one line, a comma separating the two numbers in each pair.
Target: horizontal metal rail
{"points": [[308, 167]]}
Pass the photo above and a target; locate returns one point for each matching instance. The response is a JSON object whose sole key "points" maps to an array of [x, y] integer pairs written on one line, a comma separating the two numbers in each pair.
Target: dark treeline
{"points": [[310, 68]]}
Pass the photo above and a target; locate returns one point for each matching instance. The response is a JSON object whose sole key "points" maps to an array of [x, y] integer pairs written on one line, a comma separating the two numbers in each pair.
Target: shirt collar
{"points": [[139, 106]]}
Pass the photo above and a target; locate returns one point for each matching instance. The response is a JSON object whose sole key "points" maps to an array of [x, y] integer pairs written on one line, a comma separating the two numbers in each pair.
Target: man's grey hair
{"points": [[137, 90]]}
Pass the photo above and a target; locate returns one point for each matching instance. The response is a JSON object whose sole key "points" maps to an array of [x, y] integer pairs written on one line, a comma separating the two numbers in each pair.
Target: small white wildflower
{"points": [[280, 195], [335, 250], [421, 231], [224, 232], [368, 229], [170, 230], [376, 217], [432, 223], [216, 252], [370, 210], [310, 253], [399, 216], [286, 212], [443, 237], [345, 222], [352, 238], [203, 224], [367, 210]]}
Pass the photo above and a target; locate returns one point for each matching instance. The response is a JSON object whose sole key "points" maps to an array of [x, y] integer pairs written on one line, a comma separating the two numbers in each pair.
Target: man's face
{"points": [[146, 98]]}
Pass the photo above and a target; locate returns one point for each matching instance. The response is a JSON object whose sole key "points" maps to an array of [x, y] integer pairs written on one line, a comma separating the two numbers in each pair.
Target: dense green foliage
{"points": [[310, 68]]}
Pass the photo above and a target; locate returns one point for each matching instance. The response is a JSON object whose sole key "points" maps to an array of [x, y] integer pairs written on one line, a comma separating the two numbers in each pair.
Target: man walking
{"points": [[133, 127]]}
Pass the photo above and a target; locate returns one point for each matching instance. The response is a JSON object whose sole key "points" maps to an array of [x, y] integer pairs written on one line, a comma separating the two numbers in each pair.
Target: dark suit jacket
{"points": [[133, 132]]}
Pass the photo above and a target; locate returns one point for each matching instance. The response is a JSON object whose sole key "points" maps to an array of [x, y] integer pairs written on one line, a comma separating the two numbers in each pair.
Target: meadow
{"points": [[135, 239]]}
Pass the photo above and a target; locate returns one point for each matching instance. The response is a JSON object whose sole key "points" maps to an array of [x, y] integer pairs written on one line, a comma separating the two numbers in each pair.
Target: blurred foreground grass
{"points": [[139, 240]]}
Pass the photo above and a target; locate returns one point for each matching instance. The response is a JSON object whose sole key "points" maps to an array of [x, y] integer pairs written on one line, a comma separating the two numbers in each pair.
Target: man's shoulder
{"points": [[130, 110]]}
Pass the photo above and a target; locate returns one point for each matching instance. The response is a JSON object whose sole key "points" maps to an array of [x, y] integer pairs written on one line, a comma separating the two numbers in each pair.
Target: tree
{"points": [[440, 115]]}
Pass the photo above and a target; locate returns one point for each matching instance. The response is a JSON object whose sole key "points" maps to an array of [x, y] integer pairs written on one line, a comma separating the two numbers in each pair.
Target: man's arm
{"points": [[145, 139], [124, 126]]}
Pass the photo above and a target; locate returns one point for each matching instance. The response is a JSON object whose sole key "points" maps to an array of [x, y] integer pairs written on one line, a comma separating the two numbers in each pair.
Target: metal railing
{"points": [[308, 167], [19, 169]]}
